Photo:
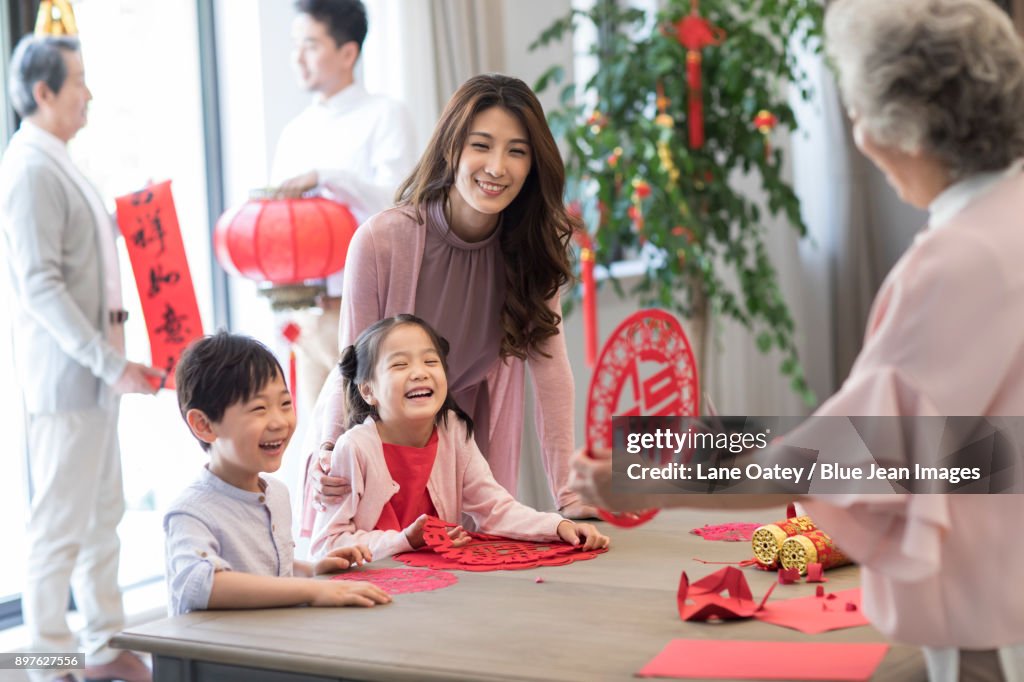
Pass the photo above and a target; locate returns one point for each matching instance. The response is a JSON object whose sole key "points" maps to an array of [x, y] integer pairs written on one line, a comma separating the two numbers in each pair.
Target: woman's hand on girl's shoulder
{"points": [[584, 535], [327, 489]]}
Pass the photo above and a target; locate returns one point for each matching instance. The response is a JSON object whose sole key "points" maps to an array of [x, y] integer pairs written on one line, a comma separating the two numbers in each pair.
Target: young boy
{"points": [[229, 540]]}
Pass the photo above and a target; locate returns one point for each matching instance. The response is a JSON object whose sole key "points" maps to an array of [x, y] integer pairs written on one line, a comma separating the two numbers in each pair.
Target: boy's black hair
{"points": [[345, 19], [217, 371]]}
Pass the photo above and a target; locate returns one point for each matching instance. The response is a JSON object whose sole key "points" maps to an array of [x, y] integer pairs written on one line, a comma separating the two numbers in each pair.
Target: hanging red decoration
{"points": [[587, 262], [284, 241], [694, 32], [291, 333]]}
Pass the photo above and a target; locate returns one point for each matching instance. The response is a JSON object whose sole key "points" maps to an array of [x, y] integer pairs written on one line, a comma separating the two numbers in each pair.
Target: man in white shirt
{"points": [[69, 351], [348, 145]]}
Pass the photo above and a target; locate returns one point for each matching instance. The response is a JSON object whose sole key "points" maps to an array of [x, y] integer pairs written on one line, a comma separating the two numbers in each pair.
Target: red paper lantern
{"points": [[284, 241]]}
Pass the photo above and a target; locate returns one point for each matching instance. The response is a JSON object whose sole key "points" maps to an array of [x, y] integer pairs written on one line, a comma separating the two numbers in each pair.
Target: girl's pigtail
{"points": [[356, 408]]}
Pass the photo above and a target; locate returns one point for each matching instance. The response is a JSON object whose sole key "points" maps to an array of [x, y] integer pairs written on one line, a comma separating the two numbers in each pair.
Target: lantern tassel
{"points": [[693, 81], [589, 306], [291, 333]]}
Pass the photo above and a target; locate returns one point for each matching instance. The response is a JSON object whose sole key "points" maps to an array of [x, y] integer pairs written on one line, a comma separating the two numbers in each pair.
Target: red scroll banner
{"points": [[149, 224], [646, 368]]}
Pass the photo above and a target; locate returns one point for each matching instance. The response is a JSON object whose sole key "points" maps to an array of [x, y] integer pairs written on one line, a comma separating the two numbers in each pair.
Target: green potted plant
{"points": [[644, 185]]}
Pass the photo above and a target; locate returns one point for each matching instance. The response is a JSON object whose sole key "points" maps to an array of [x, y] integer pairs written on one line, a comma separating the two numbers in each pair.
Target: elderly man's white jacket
{"points": [[56, 272]]}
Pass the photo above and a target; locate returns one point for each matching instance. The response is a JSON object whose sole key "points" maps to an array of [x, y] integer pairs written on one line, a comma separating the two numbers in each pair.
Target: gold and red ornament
{"points": [[613, 158], [814, 547], [56, 18], [641, 190], [667, 163], [663, 119], [765, 122], [768, 539], [596, 121], [694, 32], [636, 215]]}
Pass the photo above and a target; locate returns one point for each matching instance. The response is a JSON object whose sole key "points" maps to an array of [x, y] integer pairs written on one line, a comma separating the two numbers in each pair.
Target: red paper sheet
{"points": [[724, 659], [402, 580], [149, 224], [816, 614]]}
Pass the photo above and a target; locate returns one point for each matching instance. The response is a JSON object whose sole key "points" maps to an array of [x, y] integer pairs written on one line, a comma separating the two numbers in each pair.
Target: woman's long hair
{"points": [[359, 361], [535, 227]]}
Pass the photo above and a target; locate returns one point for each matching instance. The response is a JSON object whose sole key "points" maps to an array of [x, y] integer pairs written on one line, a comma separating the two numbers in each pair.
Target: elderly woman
{"points": [[935, 90]]}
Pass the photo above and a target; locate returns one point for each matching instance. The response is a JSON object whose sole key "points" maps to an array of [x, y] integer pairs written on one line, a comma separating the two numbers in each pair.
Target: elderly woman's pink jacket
{"points": [[945, 338]]}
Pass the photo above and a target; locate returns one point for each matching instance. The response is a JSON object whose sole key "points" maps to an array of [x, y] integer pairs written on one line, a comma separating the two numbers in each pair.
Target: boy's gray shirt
{"points": [[214, 526]]}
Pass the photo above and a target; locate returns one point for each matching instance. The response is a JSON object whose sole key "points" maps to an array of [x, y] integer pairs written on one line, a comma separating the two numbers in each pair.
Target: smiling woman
{"points": [[477, 247]]}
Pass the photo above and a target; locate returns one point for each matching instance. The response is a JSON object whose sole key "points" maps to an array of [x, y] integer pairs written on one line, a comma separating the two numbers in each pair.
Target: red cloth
{"points": [[410, 468]]}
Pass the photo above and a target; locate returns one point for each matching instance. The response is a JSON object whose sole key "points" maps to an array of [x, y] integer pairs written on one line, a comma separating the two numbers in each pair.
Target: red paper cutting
{"points": [[489, 552], [149, 223], [729, 532], [815, 573], [788, 576], [645, 368], [807, 614], [725, 659], [402, 580], [709, 602]]}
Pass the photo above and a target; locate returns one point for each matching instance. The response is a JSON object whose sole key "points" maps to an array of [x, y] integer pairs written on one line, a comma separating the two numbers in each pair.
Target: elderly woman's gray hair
{"points": [[35, 59], [942, 76]]}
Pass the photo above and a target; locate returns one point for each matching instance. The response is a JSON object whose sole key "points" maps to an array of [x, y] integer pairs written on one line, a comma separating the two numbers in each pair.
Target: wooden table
{"points": [[591, 620]]}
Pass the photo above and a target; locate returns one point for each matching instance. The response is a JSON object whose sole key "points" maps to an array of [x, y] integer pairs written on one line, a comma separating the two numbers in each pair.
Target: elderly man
{"points": [[69, 349]]}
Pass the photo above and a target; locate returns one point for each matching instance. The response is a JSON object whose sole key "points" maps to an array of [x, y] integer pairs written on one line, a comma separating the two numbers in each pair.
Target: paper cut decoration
{"points": [[708, 601], [814, 547], [819, 591], [645, 368], [767, 540], [788, 576], [402, 580], [815, 573], [729, 532], [704, 600], [807, 614], [149, 224], [489, 552], [727, 659]]}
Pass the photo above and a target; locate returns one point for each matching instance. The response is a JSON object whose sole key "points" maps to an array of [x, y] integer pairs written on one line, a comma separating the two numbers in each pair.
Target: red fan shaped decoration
{"points": [[646, 368], [489, 552]]}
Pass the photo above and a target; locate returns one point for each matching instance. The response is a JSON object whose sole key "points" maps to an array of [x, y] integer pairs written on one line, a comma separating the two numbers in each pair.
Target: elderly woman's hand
{"points": [[591, 477]]}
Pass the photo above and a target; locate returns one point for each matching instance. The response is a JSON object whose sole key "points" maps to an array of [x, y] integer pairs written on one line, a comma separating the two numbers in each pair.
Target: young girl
{"points": [[409, 452], [477, 247]]}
